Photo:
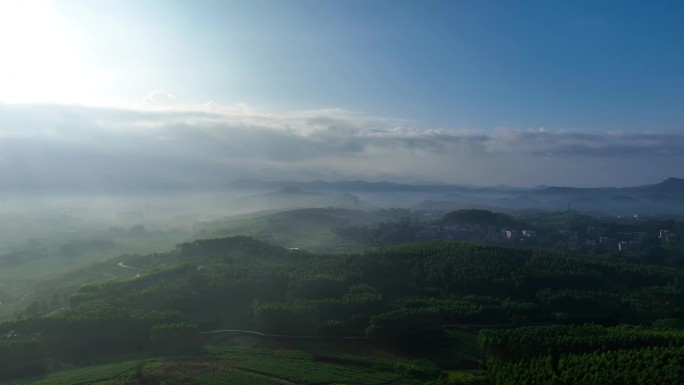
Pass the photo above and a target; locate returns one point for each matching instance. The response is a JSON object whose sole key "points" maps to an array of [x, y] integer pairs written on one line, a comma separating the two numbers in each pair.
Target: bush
{"points": [[178, 338]]}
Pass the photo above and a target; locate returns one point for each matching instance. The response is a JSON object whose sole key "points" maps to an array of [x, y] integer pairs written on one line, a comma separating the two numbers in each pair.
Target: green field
{"points": [[237, 365], [110, 374]]}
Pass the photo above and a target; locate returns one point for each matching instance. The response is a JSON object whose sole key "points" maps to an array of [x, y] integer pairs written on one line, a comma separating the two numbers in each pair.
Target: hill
{"points": [[312, 229], [664, 198], [399, 296], [294, 197]]}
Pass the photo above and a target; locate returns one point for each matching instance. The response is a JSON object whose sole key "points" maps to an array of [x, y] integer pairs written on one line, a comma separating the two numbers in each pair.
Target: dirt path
{"points": [[126, 266], [121, 264], [24, 297]]}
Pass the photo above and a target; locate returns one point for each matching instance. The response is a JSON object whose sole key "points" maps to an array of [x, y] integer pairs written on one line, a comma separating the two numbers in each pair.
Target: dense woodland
{"points": [[560, 317], [586, 354]]}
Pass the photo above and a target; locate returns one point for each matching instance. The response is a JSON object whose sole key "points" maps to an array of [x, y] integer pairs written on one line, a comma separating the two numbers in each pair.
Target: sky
{"points": [[122, 93]]}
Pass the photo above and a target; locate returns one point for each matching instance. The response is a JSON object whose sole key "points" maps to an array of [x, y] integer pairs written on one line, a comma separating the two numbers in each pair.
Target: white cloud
{"points": [[159, 97], [238, 108], [209, 145]]}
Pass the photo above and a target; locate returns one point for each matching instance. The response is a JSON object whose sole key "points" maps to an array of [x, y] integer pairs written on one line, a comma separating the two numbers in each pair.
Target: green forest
{"points": [[430, 312], [341, 192]]}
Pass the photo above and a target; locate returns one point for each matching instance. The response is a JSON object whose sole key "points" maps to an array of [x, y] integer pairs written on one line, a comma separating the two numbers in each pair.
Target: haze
{"points": [[341, 191], [130, 96]]}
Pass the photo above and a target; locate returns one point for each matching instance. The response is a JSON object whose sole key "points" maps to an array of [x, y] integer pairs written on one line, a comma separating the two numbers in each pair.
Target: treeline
{"points": [[93, 328], [380, 234], [403, 295], [482, 218], [586, 354], [549, 230], [248, 283]]}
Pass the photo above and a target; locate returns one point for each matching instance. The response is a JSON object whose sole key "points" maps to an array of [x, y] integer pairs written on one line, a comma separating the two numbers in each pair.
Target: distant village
{"points": [[593, 239], [473, 233]]}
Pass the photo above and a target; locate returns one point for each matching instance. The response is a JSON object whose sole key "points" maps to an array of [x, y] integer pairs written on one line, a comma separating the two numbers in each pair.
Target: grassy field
{"points": [[109, 374], [304, 368], [152, 372], [236, 365]]}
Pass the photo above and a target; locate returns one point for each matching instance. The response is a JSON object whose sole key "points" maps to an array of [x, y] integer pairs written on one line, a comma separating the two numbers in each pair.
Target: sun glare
{"points": [[39, 58]]}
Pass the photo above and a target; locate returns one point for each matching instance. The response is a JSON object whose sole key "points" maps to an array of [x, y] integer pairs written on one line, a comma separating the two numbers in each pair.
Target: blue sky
{"points": [[491, 69]]}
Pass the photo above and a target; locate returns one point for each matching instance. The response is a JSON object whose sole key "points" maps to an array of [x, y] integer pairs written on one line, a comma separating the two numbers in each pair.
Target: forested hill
{"points": [[402, 294], [219, 279]]}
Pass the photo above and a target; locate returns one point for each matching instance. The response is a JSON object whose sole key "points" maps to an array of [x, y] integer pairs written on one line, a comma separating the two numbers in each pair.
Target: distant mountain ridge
{"points": [[669, 185], [666, 197], [295, 197], [355, 185]]}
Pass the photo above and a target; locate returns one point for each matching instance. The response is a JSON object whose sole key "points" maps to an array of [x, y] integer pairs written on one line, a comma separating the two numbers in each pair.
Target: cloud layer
{"points": [[53, 147]]}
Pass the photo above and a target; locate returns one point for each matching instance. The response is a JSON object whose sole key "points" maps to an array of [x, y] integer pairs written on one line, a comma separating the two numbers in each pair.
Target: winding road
{"points": [[121, 264], [126, 266]]}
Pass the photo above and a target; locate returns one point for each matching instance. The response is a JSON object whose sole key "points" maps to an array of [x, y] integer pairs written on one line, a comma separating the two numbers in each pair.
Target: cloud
{"points": [[47, 147], [575, 144], [159, 97], [239, 108]]}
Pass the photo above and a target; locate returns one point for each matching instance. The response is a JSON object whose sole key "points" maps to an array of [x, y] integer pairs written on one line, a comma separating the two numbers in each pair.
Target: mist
{"points": [[67, 149]]}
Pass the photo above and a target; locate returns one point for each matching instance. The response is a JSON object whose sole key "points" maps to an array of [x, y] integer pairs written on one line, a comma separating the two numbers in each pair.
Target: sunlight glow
{"points": [[41, 60]]}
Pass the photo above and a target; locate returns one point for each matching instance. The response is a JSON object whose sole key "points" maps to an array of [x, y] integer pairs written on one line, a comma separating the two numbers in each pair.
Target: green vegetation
{"points": [[315, 229], [587, 354], [481, 217], [304, 368], [63, 254], [220, 364], [416, 308]]}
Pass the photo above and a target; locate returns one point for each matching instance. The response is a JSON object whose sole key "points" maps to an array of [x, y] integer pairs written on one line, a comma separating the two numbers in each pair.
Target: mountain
{"points": [[350, 186], [664, 198], [293, 197], [670, 186]]}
